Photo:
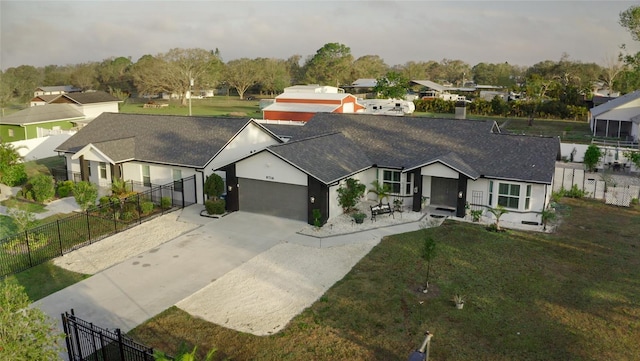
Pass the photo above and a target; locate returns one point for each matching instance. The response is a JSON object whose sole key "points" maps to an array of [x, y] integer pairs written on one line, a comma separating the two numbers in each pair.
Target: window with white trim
{"points": [[103, 170], [490, 193], [509, 195], [11, 134], [408, 188], [177, 179], [527, 198], [391, 178], [146, 176]]}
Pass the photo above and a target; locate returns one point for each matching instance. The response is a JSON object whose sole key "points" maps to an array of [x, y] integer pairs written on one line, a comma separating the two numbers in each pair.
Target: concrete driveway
{"points": [[126, 294]]}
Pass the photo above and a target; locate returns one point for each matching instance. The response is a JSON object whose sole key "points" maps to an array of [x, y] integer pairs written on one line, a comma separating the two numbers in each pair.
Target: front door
{"points": [[444, 192]]}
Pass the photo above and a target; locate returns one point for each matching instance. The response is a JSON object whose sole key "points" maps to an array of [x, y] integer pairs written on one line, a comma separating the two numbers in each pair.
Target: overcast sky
{"points": [[520, 32]]}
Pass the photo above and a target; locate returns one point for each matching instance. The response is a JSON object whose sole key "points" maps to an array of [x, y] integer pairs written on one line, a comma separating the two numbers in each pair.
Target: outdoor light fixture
{"points": [[415, 189], [230, 188], [312, 199], [460, 194]]}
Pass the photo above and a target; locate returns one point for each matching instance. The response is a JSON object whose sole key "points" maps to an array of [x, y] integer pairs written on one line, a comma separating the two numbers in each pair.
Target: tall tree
{"points": [[393, 85], [331, 65], [241, 74], [610, 71], [22, 81], [630, 19], [274, 75], [369, 66], [114, 73], [85, 76], [172, 72], [26, 332]]}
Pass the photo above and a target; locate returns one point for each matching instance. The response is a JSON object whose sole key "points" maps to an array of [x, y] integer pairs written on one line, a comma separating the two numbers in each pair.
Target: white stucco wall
{"points": [[439, 170], [92, 111], [365, 177], [251, 139], [265, 166], [38, 148]]}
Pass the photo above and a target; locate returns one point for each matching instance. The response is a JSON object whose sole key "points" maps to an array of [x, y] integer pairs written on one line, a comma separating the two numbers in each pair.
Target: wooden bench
{"points": [[381, 209]]}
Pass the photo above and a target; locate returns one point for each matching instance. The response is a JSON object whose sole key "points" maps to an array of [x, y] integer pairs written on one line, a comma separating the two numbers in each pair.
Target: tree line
{"points": [[176, 70]]}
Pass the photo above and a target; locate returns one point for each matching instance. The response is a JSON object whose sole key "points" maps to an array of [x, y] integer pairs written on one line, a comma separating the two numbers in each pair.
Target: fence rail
{"points": [[619, 195], [37, 245], [88, 342]]}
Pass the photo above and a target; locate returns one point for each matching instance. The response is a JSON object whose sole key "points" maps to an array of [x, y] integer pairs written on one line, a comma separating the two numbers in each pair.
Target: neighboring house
{"points": [[37, 122], [91, 104], [437, 91], [55, 90], [42, 100], [440, 163], [302, 102], [617, 118], [158, 149]]}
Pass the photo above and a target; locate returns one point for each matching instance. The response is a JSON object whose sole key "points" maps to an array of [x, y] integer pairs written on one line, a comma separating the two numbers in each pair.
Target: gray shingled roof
{"points": [[327, 158], [165, 139], [469, 146], [86, 98], [42, 114]]}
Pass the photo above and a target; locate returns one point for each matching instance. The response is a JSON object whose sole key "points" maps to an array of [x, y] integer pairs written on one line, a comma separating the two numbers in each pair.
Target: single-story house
{"points": [[55, 90], [159, 149], [302, 102], [37, 122], [292, 170], [42, 99], [441, 163], [91, 104], [617, 118]]}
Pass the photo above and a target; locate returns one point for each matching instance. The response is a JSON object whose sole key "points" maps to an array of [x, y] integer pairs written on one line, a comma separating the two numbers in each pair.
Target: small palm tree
{"points": [[547, 215], [380, 190], [498, 212]]}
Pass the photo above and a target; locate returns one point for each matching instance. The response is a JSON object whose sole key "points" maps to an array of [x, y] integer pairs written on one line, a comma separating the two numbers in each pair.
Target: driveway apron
{"points": [[131, 292]]}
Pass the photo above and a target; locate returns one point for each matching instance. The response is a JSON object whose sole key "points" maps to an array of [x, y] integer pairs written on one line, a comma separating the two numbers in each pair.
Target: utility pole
{"points": [[190, 94]]}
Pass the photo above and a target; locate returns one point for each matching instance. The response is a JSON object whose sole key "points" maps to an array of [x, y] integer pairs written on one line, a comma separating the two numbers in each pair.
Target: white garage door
{"points": [[274, 199]]}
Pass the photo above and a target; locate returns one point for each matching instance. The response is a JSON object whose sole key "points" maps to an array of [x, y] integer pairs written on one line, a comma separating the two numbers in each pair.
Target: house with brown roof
{"points": [[91, 103]]}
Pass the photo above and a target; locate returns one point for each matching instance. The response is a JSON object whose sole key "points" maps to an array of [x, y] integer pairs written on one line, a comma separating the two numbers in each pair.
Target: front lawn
{"points": [[571, 295], [216, 106]]}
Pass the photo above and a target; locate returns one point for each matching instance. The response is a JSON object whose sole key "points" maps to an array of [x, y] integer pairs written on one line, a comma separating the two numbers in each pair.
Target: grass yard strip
{"points": [[45, 279], [32, 207], [571, 295], [216, 106]]}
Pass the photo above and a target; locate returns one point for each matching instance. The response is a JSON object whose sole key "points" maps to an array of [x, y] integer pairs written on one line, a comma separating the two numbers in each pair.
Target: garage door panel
{"points": [[274, 199]]}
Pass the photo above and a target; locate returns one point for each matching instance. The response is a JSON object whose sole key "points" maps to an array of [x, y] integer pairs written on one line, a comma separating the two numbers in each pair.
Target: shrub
{"points": [[65, 188], [592, 156], [317, 218], [120, 188], [215, 206], [127, 215], [349, 195], [42, 187], [85, 194], [166, 203], [104, 201], [214, 186], [147, 207], [13, 175], [476, 214]]}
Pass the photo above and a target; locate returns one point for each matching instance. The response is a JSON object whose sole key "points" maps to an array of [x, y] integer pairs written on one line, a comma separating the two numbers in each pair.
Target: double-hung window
{"points": [[103, 170], [391, 178], [509, 195], [527, 199], [146, 176], [177, 179]]}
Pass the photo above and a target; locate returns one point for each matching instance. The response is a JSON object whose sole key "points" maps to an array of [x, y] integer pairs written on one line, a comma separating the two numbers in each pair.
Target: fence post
{"points": [[88, 226], [67, 335], [182, 189], [115, 219], [26, 237], [139, 210], [120, 344], [59, 237]]}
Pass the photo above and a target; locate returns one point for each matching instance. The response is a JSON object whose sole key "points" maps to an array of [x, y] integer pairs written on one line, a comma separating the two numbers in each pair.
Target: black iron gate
{"points": [[88, 342]]}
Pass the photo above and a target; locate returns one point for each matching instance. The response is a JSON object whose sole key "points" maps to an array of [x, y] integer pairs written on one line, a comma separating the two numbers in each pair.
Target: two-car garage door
{"points": [[272, 198]]}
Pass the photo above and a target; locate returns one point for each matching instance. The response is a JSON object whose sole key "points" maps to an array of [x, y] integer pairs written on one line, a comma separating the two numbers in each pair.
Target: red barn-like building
{"points": [[302, 102]]}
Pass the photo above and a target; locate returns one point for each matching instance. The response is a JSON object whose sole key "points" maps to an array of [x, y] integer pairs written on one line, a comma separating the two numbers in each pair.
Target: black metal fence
{"points": [[88, 342], [37, 245]]}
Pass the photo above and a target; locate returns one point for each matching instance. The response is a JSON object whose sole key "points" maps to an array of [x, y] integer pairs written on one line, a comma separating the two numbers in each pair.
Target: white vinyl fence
{"points": [[609, 188]]}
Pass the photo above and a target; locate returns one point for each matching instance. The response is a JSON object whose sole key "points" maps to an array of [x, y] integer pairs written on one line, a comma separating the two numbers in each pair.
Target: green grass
{"points": [[45, 279], [571, 295], [216, 106], [24, 205]]}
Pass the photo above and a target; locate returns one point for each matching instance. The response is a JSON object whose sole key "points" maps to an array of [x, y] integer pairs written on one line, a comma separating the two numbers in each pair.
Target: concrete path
{"points": [[127, 294], [131, 292]]}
